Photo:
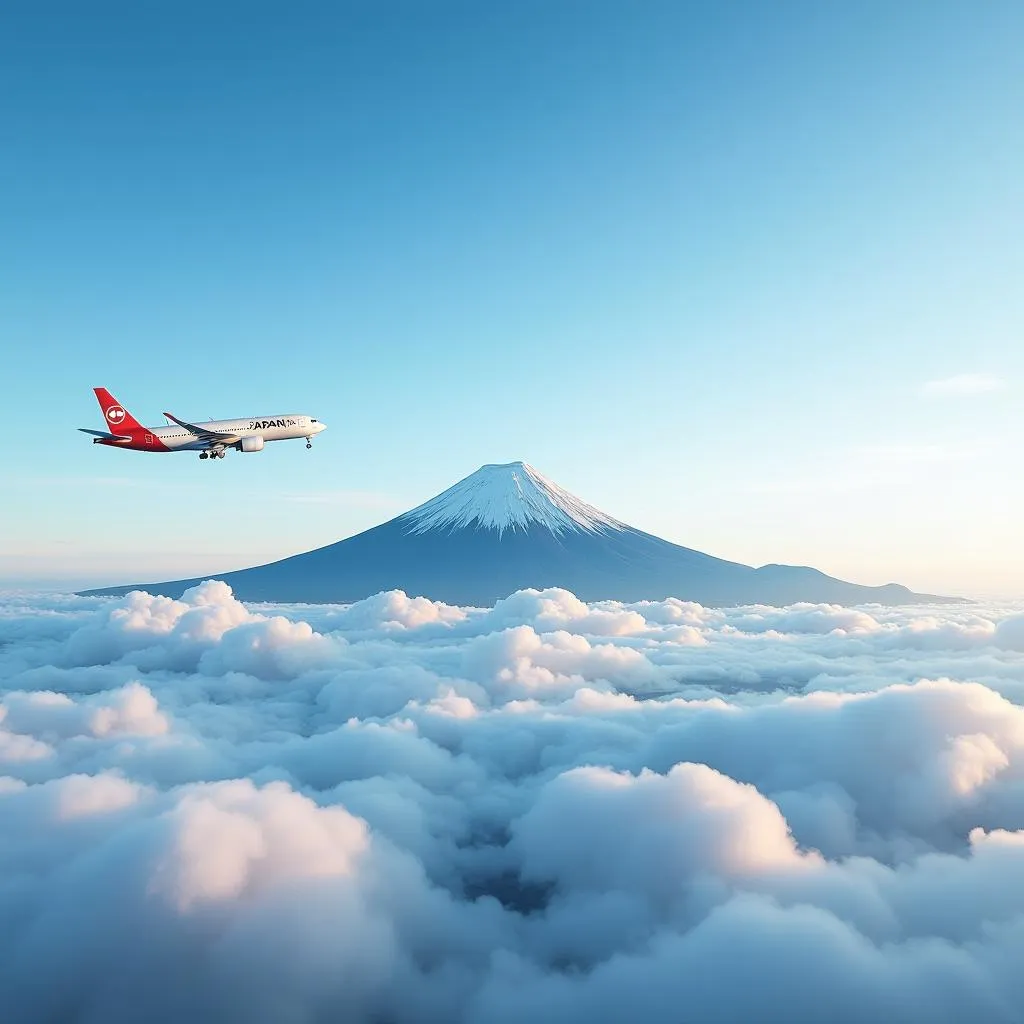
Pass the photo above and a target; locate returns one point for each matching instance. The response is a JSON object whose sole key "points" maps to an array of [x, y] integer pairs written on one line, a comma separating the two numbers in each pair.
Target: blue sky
{"points": [[701, 264]]}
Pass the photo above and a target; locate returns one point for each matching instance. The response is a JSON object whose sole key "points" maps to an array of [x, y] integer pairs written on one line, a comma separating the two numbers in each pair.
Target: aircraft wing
{"points": [[213, 436]]}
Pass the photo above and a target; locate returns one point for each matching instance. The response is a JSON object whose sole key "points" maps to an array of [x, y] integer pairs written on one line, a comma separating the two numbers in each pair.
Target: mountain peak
{"points": [[505, 528], [507, 496]]}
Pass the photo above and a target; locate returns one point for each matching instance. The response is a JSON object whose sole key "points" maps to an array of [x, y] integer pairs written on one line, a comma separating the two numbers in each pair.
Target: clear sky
{"points": [[748, 275]]}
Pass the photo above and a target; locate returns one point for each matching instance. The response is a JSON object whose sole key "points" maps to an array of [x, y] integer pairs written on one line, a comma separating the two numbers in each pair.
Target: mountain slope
{"points": [[507, 528]]}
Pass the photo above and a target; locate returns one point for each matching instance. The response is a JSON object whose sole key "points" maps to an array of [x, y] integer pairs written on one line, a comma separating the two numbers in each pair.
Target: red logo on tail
{"points": [[116, 415]]}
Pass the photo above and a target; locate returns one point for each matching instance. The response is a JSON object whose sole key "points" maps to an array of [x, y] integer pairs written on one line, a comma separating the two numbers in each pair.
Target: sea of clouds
{"points": [[546, 811]]}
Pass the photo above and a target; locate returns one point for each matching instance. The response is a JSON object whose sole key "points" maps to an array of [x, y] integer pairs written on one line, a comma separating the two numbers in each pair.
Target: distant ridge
{"points": [[507, 527]]}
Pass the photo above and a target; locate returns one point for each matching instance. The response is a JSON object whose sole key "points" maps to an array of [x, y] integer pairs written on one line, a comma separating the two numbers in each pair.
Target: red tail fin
{"points": [[118, 418]]}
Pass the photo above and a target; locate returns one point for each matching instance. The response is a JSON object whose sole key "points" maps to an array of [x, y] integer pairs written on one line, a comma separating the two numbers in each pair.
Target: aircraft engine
{"points": [[253, 443]]}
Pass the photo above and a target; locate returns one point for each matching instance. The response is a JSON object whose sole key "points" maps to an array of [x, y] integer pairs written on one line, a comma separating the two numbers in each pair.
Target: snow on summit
{"points": [[507, 496]]}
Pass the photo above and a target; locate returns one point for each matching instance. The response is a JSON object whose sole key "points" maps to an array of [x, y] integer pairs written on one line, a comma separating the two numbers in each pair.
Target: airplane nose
{"points": [[321, 426]]}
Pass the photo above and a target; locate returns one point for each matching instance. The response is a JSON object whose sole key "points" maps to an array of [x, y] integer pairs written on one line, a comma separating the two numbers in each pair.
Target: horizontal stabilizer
{"points": [[105, 435]]}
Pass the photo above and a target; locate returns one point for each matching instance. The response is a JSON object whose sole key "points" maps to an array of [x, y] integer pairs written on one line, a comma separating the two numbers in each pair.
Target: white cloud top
{"points": [[547, 810]]}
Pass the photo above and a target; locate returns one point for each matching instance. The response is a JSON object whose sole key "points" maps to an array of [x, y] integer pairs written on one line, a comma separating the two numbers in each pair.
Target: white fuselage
{"points": [[281, 427]]}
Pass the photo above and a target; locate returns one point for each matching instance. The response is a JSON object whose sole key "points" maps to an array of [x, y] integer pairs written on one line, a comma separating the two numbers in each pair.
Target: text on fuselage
{"points": [[263, 424]]}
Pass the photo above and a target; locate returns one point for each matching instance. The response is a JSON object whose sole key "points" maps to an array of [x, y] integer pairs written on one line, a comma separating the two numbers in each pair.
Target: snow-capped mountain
{"points": [[507, 497], [506, 528]]}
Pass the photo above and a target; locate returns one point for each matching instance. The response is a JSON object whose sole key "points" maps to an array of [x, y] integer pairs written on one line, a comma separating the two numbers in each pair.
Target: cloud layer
{"points": [[405, 811]]}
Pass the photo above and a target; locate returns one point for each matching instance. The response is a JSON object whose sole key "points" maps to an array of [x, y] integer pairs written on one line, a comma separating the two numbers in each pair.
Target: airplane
{"points": [[210, 438]]}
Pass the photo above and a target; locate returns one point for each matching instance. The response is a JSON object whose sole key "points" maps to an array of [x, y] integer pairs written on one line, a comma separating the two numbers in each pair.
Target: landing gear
{"points": [[309, 444], [211, 455], [203, 455]]}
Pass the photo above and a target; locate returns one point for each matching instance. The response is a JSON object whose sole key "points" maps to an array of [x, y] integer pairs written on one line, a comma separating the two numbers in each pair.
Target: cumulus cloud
{"points": [[1009, 634], [402, 810], [128, 710]]}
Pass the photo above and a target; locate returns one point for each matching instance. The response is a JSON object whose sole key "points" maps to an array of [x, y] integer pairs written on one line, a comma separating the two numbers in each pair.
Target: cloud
{"points": [[131, 710], [1009, 634], [403, 810], [964, 384]]}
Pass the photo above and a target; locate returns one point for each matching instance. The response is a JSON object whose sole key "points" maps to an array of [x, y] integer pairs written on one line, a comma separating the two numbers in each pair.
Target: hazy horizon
{"points": [[143, 564]]}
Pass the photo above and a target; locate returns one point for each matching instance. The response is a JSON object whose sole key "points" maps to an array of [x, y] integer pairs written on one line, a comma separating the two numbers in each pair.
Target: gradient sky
{"points": [[745, 275]]}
